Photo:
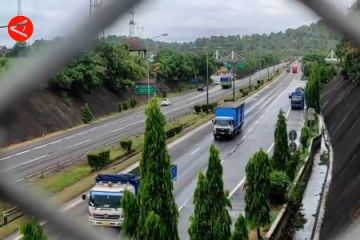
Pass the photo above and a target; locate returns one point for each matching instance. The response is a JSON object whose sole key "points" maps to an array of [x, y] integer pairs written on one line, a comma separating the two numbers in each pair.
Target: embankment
{"points": [[341, 109]]}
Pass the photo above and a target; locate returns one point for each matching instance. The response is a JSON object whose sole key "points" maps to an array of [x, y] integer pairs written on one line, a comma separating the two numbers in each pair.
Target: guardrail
{"points": [[10, 215]]}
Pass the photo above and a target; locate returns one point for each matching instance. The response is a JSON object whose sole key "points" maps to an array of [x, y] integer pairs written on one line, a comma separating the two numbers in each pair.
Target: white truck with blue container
{"points": [[229, 119], [104, 199]]}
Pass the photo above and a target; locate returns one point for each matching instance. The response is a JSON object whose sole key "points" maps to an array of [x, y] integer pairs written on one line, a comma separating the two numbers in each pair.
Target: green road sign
{"points": [[239, 66], [143, 89]]}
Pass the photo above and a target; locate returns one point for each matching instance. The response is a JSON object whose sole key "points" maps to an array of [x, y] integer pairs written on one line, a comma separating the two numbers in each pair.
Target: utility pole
{"points": [[19, 10], [147, 61], [207, 82], [234, 75], [260, 57]]}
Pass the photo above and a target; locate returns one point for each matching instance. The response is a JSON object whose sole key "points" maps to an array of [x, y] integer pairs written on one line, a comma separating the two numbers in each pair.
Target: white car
{"points": [[165, 102]]}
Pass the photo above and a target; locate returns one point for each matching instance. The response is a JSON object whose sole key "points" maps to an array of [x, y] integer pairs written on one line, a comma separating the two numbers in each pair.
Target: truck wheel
{"points": [[215, 137]]}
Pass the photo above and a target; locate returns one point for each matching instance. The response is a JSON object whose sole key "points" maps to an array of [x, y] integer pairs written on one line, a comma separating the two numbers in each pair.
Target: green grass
{"points": [[59, 181]]}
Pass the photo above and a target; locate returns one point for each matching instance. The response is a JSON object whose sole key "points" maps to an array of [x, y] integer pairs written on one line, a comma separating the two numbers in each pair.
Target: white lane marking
{"points": [[1, 159], [271, 147], [27, 162], [233, 150], [117, 130], [82, 133], [184, 203], [39, 147], [72, 205], [196, 150], [20, 153], [288, 112], [237, 187], [69, 137], [87, 140], [57, 141]]}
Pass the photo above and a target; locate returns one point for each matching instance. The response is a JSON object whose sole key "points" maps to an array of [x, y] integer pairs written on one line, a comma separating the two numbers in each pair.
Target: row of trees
{"points": [[170, 65], [320, 74]]}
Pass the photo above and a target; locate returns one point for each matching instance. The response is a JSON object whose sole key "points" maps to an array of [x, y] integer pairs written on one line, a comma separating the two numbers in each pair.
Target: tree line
{"points": [[318, 74]]}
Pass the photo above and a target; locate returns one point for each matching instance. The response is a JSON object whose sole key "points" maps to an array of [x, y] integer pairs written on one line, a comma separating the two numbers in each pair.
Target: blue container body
{"points": [[130, 178], [234, 111]]}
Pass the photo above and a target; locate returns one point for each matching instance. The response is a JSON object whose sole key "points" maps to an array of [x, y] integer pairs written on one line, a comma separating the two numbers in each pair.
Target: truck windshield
{"points": [[296, 98], [221, 122], [106, 199]]}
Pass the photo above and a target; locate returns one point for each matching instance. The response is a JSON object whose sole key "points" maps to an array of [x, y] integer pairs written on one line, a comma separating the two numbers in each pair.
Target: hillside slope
{"points": [[45, 112], [340, 107]]}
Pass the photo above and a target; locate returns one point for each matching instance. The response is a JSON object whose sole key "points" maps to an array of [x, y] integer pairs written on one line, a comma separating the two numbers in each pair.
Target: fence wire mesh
{"points": [[16, 84]]}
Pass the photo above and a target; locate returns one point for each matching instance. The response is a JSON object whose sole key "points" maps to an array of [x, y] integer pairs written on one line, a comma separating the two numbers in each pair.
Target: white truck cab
{"points": [[104, 203]]}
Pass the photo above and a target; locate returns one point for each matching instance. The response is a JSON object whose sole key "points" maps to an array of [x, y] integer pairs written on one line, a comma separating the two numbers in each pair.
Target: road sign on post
{"points": [[142, 89], [292, 135], [292, 147], [311, 114]]}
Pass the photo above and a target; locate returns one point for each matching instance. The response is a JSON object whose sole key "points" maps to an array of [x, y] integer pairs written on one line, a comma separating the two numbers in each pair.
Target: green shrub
{"points": [[197, 108], [304, 138], [133, 102], [204, 107], [170, 133], [119, 107], [100, 160], [66, 98], [126, 145], [228, 100], [292, 165], [125, 105], [178, 129], [174, 130], [278, 187], [87, 114]]}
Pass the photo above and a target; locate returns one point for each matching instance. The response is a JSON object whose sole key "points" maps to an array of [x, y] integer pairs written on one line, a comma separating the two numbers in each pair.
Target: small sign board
{"points": [[141, 89], [292, 135], [311, 114], [292, 147]]}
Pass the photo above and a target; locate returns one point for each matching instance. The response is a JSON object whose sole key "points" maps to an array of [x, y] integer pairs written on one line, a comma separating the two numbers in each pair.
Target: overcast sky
{"points": [[183, 20]]}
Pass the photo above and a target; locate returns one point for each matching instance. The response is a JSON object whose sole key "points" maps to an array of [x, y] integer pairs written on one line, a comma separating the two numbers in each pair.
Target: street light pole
{"points": [[207, 82], [147, 61], [234, 75]]}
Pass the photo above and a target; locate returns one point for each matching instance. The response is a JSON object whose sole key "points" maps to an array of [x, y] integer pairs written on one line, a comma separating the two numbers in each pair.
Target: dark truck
{"points": [[228, 120], [297, 98]]}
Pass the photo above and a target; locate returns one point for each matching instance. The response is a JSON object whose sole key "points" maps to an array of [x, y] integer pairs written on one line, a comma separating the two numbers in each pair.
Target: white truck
{"points": [[104, 199]]}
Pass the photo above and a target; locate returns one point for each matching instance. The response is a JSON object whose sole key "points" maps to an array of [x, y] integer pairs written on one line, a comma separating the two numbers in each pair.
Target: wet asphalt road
{"points": [[191, 152], [25, 160]]}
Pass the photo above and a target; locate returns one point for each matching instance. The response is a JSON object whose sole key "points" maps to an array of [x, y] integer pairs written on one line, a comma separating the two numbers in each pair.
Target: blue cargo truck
{"points": [[226, 82], [229, 119], [297, 99], [104, 199]]}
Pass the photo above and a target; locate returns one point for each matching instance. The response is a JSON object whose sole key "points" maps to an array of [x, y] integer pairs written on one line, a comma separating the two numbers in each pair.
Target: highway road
{"points": [[190, 153], [33, 157]]}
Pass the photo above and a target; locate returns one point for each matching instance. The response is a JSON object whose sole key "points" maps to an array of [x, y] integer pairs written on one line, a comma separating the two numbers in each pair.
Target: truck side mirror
{"points": [[83, 197]]}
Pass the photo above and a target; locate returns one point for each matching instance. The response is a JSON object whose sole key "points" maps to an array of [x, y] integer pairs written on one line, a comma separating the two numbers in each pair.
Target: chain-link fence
{"points": [[18, 82]]}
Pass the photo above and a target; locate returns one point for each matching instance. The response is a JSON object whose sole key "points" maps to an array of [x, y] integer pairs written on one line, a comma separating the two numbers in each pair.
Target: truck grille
{"points": [[105, 216], [220, 130]]}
